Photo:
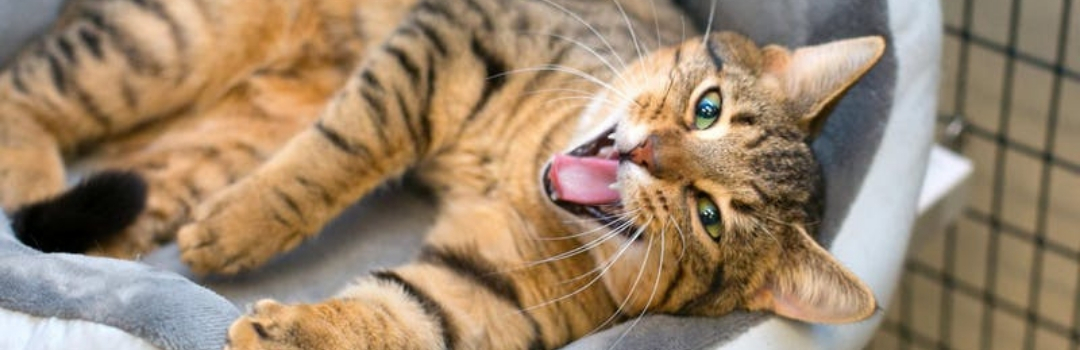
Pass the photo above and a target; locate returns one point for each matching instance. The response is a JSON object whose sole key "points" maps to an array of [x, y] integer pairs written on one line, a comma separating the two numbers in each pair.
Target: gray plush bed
{"points": [[873, 150]]}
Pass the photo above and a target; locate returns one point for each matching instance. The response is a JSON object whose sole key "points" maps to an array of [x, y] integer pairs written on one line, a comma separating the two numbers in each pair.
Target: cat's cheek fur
{"points": [[635, 279]]}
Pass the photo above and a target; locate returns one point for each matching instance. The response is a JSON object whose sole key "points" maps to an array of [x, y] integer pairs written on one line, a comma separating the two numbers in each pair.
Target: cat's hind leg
{"points": [[375, 128], [31, 167], [196, 157], [176, 164], [111, 65]]}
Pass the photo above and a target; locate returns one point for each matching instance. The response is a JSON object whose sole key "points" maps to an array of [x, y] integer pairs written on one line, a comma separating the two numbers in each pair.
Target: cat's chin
{"points": [[602, 206]]}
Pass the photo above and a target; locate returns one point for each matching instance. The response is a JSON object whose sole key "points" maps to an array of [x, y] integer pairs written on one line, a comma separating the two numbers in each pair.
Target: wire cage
{"points": [[1006, 275]]}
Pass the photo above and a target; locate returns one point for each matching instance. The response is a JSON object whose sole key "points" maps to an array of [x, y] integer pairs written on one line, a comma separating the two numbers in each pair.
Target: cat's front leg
{"points": [[374, 129], [110, 66], [335, 324], [285, 201], [379, 315]]}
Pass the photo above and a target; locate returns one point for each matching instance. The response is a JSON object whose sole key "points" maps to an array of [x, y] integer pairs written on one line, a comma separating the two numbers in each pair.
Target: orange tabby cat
{"points": [[585, 175]]}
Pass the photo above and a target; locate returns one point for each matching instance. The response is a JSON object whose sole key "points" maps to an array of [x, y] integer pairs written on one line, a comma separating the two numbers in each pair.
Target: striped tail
{"points": [[97, 208]]}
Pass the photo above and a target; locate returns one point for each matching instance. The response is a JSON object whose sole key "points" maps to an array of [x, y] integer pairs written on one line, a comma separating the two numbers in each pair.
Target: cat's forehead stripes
{"points": [[717, 61]]}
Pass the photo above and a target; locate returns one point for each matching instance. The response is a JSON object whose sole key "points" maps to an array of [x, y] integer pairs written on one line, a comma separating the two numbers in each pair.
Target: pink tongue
{"points": [[584, 180]]}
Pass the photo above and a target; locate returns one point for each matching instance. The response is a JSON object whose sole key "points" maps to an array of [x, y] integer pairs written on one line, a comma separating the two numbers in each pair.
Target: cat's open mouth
{"points": [[585, 182]]}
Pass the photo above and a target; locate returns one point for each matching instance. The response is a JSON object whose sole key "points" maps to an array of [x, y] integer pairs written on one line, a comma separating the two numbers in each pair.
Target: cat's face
{"points": [[695, 178]]}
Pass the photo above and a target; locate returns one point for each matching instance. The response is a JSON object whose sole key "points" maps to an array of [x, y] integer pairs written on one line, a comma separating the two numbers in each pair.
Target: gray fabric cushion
{"points": [[161, 307], [22, 19], [165, 309]]}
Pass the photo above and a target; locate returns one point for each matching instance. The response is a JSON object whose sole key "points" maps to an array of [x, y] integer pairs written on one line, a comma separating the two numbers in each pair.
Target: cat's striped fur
{"points": [[474, 97]]}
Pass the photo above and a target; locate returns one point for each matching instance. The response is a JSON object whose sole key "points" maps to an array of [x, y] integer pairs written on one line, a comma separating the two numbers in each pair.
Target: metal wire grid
{"points": [[1028, 246]]}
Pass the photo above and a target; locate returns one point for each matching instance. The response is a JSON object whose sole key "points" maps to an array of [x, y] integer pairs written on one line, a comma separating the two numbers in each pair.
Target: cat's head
{"points": [[701, 171]]}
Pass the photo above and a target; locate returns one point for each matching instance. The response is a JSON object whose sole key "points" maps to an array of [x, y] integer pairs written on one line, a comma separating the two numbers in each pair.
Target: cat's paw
{"points": [[215, 246], [231, 234], [271, 325]]}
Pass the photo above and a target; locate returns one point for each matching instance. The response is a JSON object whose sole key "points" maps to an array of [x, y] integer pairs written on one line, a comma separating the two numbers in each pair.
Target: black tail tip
{"points": [[97, 208]]}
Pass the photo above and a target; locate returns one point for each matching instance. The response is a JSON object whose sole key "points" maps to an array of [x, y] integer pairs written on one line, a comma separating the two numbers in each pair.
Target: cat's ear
{"points": [[810, 285], [814, 77]]}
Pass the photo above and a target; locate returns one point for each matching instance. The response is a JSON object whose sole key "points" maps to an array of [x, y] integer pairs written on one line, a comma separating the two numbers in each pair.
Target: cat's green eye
{"points": [[709, 215], [707, 111]]}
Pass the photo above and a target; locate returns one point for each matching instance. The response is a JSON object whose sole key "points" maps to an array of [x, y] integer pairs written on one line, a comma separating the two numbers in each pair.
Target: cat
{"points": [[592, 162]]}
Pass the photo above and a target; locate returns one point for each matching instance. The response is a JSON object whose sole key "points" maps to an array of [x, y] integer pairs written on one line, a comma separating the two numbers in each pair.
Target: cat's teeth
{"points": [[615, 186], [554, 196], [611, 136], [608, 152]]}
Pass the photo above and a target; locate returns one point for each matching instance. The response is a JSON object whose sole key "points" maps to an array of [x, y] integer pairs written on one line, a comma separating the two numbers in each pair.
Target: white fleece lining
{"points": [[22, 331]]}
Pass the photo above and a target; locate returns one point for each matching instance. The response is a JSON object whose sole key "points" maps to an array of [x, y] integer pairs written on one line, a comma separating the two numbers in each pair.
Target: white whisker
{"points": [[656, 23], [708, 27], [652, 295], [682, 238], [622, 219], [624, 215], [633, 38], [591, 29], [633, 287], [579, 92], [600, 268], [630, 28], [605, 61], [586, 98], [567, 70], [585, 247], [611, 263], [682, 25]]}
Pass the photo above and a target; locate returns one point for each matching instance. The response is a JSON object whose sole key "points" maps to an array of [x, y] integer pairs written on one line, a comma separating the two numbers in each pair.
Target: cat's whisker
{"points": [[621, 230], [613, 218], [590, 98], [585, 98], [592, 78], [633, 288], [682, 26], [622, 223], [607, 63], [596, 270], [652, 295], [682, 238], [623, 215], [567, 70], [579, 92], [592, 29], [656, 23], [634, 39], [597, 97], [617, 217], [630, 28], [584, 247], [708, 27], [593, 281]]}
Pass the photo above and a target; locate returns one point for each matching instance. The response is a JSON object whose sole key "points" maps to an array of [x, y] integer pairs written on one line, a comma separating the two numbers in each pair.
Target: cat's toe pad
{"points": [[205, 250], [271, 325]]}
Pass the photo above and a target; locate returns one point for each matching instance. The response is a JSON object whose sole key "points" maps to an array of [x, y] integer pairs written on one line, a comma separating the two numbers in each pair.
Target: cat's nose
{"points": [[644, 154]]}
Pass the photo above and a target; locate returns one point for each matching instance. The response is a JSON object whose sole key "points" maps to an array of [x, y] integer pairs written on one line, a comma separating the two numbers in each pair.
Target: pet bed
{"points": [[873, 150]]}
